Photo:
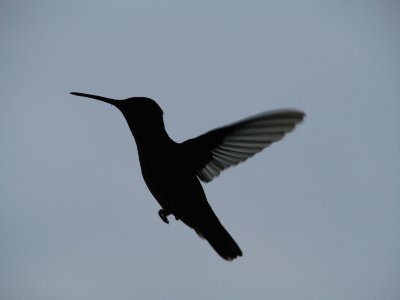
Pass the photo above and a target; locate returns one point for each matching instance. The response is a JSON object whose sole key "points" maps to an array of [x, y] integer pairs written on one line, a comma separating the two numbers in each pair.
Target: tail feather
{"points": [[220, 240]]}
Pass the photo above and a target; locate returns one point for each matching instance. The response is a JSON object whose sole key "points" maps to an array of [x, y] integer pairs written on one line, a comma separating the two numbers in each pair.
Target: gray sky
{"points": [[317, 215]]}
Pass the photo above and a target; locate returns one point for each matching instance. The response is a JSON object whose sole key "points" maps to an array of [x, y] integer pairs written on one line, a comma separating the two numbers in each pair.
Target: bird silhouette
{"points": [[172, 171]]}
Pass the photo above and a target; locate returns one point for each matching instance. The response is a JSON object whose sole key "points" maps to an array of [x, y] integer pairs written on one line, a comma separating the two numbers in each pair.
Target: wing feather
{"points": [[228, 146]]}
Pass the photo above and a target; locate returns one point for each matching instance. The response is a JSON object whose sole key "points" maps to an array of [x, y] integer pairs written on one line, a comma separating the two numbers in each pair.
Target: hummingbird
{"points": [[172, 171]]}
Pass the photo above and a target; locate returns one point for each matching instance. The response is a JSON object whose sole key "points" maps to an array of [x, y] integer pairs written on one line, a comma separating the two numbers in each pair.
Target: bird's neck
{"points": [[150, 134]]}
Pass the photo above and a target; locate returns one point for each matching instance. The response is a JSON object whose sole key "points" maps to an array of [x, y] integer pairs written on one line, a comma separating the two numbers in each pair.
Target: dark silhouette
{"points": [[172, 170]]}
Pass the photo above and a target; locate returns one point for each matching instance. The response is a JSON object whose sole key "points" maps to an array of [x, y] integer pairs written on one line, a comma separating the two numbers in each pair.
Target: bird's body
{"points": [[172, 170]]}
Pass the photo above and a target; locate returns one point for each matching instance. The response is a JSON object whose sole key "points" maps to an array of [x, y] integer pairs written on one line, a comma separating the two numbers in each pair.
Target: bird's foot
{"points": [[163, 216]]}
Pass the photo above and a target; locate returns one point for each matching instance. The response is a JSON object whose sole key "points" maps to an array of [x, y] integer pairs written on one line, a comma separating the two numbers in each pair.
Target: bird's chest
{"points": [[155, 173], [164, 173]]}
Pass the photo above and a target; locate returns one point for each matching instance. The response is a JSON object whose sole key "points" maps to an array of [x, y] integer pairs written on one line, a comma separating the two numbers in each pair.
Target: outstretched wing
{"points": [[227, 146]]}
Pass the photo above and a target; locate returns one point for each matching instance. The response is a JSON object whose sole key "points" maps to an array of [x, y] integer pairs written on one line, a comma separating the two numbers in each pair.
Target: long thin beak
{"points": [[104, 99]]}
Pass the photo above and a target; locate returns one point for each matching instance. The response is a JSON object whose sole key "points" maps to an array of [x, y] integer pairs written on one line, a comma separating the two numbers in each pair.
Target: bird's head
{"points": [[134, 108]]}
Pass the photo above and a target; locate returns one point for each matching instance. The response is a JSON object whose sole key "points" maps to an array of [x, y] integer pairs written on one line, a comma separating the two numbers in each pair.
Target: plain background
{"points": [[317, 215]]}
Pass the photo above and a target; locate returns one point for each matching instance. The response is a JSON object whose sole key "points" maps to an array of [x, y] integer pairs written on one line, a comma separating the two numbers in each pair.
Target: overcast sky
{"points": [[317, 215]]}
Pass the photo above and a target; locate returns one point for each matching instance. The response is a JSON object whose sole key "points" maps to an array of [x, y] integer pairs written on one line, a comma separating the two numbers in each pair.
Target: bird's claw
{"points": [[163, 216]]}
